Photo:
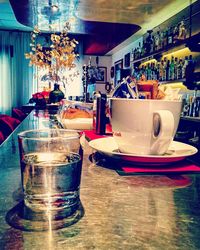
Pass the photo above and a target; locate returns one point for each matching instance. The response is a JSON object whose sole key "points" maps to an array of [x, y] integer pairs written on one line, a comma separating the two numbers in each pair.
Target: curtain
{"points": [[16, 77], [5, 73]]}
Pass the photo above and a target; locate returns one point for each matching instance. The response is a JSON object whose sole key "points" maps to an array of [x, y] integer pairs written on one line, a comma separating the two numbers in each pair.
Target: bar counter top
{"points": [[120, 212]]}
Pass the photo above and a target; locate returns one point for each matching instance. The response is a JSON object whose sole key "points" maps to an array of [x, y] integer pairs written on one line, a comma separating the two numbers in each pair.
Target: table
{"points": [[121, 212]]}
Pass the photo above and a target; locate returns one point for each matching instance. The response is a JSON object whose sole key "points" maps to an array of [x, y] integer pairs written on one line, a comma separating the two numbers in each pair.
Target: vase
{"points": [[56, 95]]}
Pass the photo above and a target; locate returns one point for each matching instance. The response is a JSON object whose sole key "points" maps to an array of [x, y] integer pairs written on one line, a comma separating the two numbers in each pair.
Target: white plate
{"points": [[176, 152]]}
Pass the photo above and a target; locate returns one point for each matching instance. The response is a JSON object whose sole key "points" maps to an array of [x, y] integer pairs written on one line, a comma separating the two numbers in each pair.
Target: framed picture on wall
{"points": [[118, 68], [102, 75], [98, 73]]}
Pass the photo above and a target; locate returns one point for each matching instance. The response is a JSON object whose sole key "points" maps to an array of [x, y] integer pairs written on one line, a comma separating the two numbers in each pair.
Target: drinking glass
{"points": [[51, 164]]}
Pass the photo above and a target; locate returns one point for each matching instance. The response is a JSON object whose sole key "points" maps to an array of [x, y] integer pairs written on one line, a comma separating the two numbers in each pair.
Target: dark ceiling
{"points": [[102, 24], [98, 37], [102, 37]]}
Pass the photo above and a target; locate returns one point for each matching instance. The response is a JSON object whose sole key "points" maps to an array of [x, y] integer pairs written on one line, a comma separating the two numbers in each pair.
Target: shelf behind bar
{"points": [[170, 49]]}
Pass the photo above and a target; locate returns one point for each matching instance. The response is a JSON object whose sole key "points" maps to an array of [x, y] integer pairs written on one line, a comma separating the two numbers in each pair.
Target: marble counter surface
{"points": [[121, 212]]}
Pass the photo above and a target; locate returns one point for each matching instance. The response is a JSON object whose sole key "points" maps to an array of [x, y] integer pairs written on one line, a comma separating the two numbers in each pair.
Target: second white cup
{"points": [[144, 127]]}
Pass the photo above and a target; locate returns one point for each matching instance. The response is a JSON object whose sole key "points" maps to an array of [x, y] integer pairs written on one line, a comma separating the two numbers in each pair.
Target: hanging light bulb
{"points": [[54, 8]]}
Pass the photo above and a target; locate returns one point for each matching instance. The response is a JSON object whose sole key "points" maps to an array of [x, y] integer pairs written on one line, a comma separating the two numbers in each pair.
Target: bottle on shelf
{"points": [[153, 44], [185, 64], [142, 50], [148, 72], [197, 107], [165, 38], [132, 55], [165, 69], [192, 105], [182, 31], [191, 63], [144, 71], [189, 72], [153, 72], [139, 50], [168, 75], [157, 41], [186, 106], [170, 36], [161, 39], [172, 69], [157, 71], [161, 71], [175, 33], [180, 66], [149, 42], [135, 54], [168, 70], [175, 68]]}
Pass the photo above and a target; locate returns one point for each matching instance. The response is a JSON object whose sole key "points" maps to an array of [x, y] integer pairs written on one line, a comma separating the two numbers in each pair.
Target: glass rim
{"points": [[24, 134]]}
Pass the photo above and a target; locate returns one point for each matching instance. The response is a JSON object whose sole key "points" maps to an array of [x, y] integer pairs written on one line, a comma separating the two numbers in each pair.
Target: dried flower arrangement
{"points": [[59, 56]]}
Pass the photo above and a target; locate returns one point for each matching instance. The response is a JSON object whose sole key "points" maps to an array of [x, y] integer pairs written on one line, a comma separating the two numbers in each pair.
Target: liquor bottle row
{"points": [[166, 70], [160, 40]]}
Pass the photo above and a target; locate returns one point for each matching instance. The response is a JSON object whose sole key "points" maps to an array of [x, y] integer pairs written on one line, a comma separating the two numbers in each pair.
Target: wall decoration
{"points": [[108, 87], [98, 73], [118, 68]]}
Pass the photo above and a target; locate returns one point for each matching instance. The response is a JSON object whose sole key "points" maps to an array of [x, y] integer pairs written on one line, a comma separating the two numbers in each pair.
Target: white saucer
{"points": [[176, 152]]}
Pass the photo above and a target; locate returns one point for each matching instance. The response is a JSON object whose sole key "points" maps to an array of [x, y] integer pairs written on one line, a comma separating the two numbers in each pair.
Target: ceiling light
{"points": [[54, 8]]}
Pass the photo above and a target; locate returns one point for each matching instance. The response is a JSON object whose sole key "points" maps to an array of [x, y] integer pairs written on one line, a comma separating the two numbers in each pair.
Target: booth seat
{"points": [[18, 114], [8, 125], [2, 138]]}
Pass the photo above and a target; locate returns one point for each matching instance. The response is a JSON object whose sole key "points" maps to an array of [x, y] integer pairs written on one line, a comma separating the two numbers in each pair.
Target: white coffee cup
{"points": [[144, 127]]}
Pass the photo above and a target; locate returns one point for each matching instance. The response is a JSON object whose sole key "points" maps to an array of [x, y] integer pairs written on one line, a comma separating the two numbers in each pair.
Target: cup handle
{"points": [[162, 134]]}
